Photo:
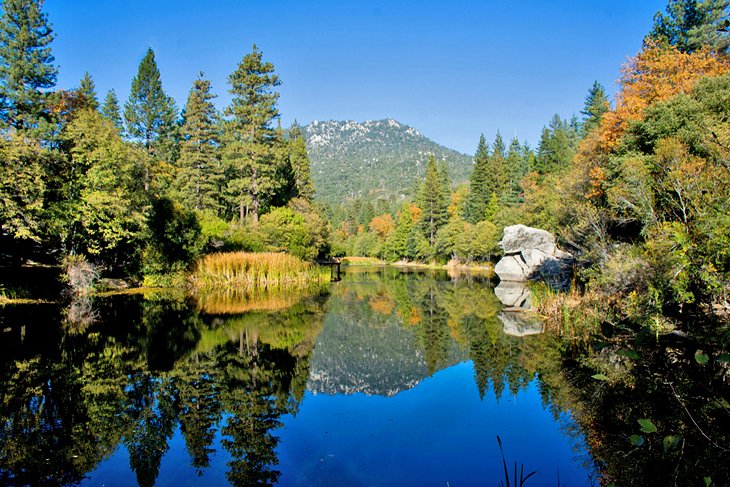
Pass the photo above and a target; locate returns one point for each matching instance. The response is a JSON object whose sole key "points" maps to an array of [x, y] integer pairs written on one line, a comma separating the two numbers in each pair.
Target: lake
{"points": [[389, 377]]}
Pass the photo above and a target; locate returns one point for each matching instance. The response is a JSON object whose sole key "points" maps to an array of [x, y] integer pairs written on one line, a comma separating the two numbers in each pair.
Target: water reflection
{"points": [[73, 392], [227, 373]]}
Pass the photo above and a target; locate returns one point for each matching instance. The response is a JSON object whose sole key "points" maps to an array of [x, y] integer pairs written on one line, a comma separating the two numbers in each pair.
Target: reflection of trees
{"points": [[147, 365], [151, 414], [449, 315], [659, 384], [135, 374]]}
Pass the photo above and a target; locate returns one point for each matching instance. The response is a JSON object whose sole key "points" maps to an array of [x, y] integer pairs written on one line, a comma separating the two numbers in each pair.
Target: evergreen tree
{"points": [[149, 113], [498, 146], [200, 176], [366, 214], [478, 180], [690, 25], [87, 92], [111, 111], [433, 202], [596, 105], [557, 145], [250, 140], [300, 165], [26, 63], [498, 176], [397, 247], [516, 170]]}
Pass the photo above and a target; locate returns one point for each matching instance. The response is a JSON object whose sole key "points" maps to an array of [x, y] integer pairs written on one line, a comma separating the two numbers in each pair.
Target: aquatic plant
{"points": [[242, 269], [517, 481], [572, 314]]}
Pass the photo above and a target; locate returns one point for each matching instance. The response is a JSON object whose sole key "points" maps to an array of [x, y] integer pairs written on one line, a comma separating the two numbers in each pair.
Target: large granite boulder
{"points": [[531, 253]]}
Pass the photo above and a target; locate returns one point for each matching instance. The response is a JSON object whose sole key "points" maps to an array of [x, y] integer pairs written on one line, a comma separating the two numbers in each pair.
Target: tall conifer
{"points": [[250, 139], [433, 201], [478, 192], [690, 25], [199, 177], [111, 111], [516, 170], [595, 106], [26, 63], [149, 113], [300, 165], [87, 92]]}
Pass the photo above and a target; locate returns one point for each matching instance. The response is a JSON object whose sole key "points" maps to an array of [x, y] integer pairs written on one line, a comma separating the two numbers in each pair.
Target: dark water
{"points": [[385, 378]]}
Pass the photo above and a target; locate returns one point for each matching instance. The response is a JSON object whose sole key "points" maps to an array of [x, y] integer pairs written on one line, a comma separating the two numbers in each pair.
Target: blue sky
{"points": [[451, 69]]}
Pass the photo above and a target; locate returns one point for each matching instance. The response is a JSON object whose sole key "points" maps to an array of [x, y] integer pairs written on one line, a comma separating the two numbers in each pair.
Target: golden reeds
{"points": [[238, 301], [249, 270]]}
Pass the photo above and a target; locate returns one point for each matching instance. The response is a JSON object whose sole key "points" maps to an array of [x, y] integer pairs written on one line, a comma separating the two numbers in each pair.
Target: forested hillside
{"points": [[374, 159]]}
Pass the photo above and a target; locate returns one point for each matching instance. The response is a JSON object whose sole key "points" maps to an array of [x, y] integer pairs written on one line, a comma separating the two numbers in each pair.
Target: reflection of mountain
{"points": [[371, 353]]}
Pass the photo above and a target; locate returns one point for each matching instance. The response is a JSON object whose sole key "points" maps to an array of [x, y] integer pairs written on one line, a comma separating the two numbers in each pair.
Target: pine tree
{"points": [[200, 176], [478, 181], [26, 63], [250, 140], [516, 170], [111, 111], [497, 176], [300, 165], [690, 25], [149, 113], [397, 247], [596, 105], [87, 92], [433, 202], [557, 145], [498, 146]]}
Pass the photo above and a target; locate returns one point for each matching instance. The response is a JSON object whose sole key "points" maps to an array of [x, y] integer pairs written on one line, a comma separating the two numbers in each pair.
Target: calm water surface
{"points": [[386, 378]]}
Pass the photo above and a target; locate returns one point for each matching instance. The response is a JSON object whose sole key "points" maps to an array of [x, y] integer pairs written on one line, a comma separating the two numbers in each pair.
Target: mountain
{"points": [[352, 356], [377, 158]]}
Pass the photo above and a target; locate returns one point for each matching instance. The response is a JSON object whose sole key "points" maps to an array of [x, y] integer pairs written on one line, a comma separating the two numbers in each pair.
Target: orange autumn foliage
{"points": [[383, 225], [415, 212], [657, 73]]}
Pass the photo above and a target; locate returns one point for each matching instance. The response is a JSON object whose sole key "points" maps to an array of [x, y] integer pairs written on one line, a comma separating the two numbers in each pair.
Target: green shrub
{"points": [[174, 240]]}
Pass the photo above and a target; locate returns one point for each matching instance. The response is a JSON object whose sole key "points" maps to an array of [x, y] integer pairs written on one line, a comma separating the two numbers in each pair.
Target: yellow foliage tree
{"points": [[657, 73], [382, 225]]}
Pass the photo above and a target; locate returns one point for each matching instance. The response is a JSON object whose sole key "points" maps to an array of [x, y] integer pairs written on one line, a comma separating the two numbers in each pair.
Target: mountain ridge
{"points": [[375, 158]]}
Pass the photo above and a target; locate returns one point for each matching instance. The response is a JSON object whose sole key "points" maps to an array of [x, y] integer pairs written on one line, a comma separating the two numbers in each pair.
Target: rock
{"points": [[520, 324], [113, 284], [520, 237], [511, 268], [531, 253], [513, 295]]}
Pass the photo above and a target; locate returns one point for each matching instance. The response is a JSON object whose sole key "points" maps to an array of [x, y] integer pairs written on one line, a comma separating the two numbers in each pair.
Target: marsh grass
{"points": [[355, 261], [572, 314], [233, 301], [252, 270]]}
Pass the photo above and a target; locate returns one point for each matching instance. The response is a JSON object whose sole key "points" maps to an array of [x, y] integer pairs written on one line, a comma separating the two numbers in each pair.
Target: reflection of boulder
{"points": [[513, 294], [531, 253], [520, 324]]}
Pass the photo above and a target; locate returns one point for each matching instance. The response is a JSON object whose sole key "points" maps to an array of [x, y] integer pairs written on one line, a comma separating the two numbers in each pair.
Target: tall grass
{"points": [[250, 270], [234, 301], [573, 314]]}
